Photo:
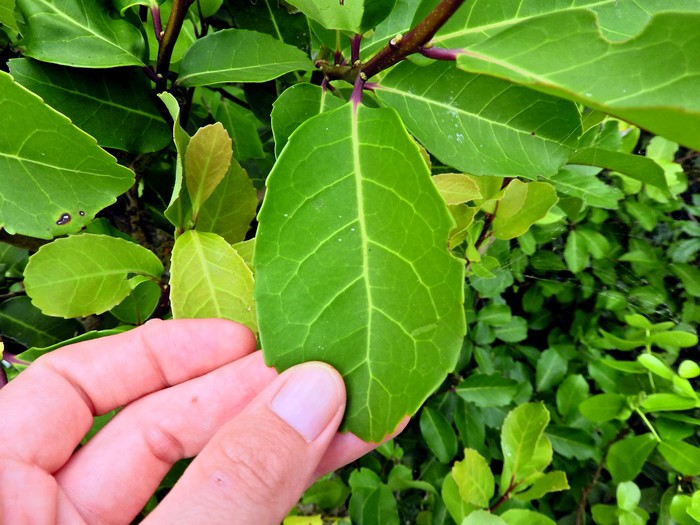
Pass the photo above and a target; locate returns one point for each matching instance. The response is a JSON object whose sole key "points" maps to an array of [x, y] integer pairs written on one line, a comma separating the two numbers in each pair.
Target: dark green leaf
{"points": [[114, 105], [689, 276], [572, 443], [361, 291], [626, 458], [242, 126], [53, 177], [581, 182], [603, 407], [80, 34], [551, 370], [479, 124], [487, 391], [576, 252], [239, 55], [640, 168], [572, 391], [24, 323], [139, 304], [371, 503], [513, 332], [438, 434]]}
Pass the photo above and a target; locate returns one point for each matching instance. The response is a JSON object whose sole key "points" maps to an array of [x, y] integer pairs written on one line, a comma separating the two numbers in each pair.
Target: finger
{"points": [[115, 474], [67, 387], [256, 467]]}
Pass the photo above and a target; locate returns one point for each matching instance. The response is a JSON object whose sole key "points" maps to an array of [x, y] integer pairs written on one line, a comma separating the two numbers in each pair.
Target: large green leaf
{"points": [[565, 54], [479, 21], [239, 55], [352, 267], [87, 274], [356, 16], [480, 124], [7, 15], [641, 168], [209, 279], [79, 33], [53, 177], [297, 105], [273, 18], [24, 323], [114, 105]]}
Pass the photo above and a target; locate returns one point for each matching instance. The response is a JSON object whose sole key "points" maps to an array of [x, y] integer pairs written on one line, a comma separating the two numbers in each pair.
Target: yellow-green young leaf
{"points": [[655, 365], [689, 369], [207, 160], [576, 252], [525, 517], [352, 266], [565, 54], [550, 482], [231, 207], [676, 338], [521, 206], [474, 479], [209, 279], [86, 274], [456, 506], [304, 520], [246, 250], [139, 304], [664, 402], [53, 176], [456, 188], [520, 438], [483, 517]]}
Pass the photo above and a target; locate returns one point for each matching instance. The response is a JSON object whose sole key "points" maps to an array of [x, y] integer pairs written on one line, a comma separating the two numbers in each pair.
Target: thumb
{"points": [[257, 466]]}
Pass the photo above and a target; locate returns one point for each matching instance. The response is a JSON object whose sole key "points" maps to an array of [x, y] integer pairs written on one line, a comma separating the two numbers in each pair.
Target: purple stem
{"points": [[338, 57], [355, 48], [356, 96], [440, 53], [157, 23]]}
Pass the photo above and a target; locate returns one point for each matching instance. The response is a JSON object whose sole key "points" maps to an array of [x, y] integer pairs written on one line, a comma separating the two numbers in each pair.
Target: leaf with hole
{"points": [[352, 267]]}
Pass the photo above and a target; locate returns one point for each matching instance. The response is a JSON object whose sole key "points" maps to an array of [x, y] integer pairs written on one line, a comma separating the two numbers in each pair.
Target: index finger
{"points": [[46, 411]]}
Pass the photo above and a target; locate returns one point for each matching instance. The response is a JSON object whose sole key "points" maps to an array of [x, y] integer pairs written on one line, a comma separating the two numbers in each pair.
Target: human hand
{"points": [[188, 387]]}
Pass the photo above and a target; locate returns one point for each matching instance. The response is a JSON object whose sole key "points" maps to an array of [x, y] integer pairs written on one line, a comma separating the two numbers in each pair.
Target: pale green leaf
{"points": [[581, 182], [86, 274], [80, 34], [639, 168], [603, 407], [689, 369], [626, 458], [495, 314], [550, 482], [514, 331], [487, 391], [655, 365], [124, 5], [24, 323], [474, 479], [480, 124], [438, 434], [576, 252], [689, 276], [114, 105], [521, 206], [551, 370], [483, 517], [246, 250], [209, 279], [352, 267], [520, 436], [457, 188], [53, 177], [675, 338], [231, 208], [239, 55], [663, 401], [628, 495], [207, 160], [7, 15], [565, 54], [356, 16], [526, 517], [295, 106]]}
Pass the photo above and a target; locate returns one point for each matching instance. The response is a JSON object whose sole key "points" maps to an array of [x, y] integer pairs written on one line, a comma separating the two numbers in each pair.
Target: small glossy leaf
{"points": [[7, 15], [621, 344], [514, 331], [675, 338], [438, 434], [521, 206], [638, 321], [581, 182], [520, 436], [207, 161], [242, 126], [139, 304], [550, 482], [327, 493], [531, 53], [572, 391], [457, 188], [23, 322], [626, 458], [53, 177], [239, 55], [689, 369], [576, 252], [372, 501], [114, 105], [679, 509], [79, 34], [603, 407], [495, 314], [474, 479], [230, 209], [209, 279], [337, 281], [401, 478], [640, 168], [479, 124], [295, 106], [551, 370], [572, 443], [86, 274], [487, 391], [683, 457], [526, 517], [628, 495], [356, 16], [663, 401], [655, 365]]}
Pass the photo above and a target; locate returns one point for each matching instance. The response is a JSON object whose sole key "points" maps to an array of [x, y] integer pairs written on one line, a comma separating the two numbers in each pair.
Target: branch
{"points": [[22, 241], [414, 40], [167, 43]]}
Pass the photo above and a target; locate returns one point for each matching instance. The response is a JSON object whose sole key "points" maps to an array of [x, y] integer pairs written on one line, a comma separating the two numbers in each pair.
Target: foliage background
{"points": [[574, 398]]}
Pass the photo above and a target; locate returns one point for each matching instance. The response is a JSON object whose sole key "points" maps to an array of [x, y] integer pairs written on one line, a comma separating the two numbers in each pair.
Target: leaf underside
{"points": [[352, 267]]}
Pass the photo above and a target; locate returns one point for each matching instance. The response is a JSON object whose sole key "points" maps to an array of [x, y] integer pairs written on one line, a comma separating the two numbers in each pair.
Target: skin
{"points": [[188, 388]]}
